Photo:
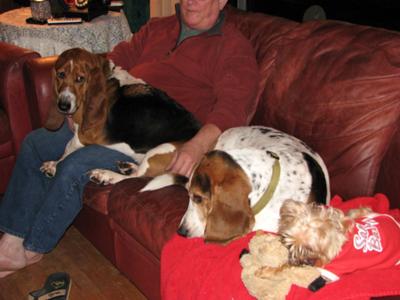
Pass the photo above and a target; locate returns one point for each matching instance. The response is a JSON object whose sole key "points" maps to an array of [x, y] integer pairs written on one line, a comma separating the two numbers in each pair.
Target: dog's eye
{"points": [[80, 79], [197, 199], [61, 75], [310, 261]]}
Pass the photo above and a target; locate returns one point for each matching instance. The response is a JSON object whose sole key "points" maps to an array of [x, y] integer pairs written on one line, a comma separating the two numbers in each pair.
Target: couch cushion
{"points": [[151, 218], [336, 86]]}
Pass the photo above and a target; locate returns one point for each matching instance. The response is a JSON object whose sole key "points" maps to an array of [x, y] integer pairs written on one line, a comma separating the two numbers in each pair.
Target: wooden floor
{"points": [[93, 276]]}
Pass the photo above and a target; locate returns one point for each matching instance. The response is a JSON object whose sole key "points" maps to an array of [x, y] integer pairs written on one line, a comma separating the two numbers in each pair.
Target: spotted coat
{"points": [[254, 148]]}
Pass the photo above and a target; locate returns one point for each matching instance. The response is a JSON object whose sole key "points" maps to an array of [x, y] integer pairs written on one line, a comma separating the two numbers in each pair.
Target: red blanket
{"points": [[191, 269]]}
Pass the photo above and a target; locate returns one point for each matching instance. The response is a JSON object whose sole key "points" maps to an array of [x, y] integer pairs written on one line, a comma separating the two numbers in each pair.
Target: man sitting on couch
{"points": [[197, 58]]}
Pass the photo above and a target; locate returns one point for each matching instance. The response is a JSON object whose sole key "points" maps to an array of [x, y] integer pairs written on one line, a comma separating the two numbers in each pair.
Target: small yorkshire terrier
{"points": [[325, 237]]}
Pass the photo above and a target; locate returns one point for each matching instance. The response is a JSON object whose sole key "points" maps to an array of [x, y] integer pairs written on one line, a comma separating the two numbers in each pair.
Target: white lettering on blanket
{"points": [[367, 238]]}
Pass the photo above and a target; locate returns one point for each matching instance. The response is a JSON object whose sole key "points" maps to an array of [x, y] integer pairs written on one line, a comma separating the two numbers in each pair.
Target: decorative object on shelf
{"points": [[41, 10], [81, 3], [91, 10]]}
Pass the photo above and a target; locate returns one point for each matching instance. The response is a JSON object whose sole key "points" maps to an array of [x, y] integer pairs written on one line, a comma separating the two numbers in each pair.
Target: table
{"points": [[98, 36]]}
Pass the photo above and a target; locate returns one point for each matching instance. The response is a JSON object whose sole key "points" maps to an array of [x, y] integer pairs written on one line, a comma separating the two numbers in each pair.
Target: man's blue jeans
{"points": [[40, 209]]}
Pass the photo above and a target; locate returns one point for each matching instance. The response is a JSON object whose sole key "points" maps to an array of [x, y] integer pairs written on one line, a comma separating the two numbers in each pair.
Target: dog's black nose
{"points": [[182, 231], [64, 106]]}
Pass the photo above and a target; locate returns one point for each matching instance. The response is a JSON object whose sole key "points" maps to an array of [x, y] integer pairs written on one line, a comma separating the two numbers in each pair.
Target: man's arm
{"points": [[126, 53], [236, 84], [236, 80]]}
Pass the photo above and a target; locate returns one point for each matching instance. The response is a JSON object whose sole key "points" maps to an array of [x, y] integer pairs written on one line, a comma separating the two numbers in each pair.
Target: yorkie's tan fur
{"points": [[314, 234]]}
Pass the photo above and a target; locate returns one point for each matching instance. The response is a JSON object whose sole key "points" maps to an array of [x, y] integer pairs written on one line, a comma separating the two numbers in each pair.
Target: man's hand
{"points": [[190, 154], [186, 158]]}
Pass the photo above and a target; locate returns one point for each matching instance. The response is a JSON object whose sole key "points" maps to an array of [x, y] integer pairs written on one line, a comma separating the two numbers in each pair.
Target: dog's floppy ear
{"points": [[230, 215], [54, 118], [96, 105]]}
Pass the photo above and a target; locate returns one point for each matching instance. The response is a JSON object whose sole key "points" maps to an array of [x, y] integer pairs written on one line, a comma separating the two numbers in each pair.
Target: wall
{"points": [[137, 12], [7, 5], [162, 7]]}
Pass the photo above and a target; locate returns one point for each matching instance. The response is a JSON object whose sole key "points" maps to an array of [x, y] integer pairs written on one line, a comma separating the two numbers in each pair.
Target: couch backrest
{"points": [[336, 86], [264, 32]]}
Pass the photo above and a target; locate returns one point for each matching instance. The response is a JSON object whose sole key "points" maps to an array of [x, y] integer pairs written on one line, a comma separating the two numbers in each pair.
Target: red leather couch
{"points": [[14, 113], [334, 85]]}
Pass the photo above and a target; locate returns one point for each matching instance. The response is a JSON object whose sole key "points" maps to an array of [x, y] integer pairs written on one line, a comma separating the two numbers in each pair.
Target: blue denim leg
{"points": [[57, 200], [63, 199], [27, 186]]}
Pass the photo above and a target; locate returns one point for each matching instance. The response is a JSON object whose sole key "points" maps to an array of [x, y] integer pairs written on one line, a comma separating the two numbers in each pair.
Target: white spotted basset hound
{"points": [[241, 184], [107, 106]]}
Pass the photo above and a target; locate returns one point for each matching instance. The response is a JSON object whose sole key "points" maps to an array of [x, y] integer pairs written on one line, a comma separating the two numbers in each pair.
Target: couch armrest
{"points": [[13, 99], [39, 88]]}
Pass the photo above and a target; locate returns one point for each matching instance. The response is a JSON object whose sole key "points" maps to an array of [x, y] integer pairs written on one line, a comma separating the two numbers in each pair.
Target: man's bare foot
{"points": [[32, 257], [13, 255]]}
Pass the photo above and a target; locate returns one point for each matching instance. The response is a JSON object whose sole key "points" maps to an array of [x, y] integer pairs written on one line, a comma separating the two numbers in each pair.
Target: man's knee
{"points": [[79, 162]]}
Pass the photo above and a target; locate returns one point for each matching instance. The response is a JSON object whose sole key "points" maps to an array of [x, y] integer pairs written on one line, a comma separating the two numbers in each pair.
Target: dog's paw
{"points": [[127, 168], [105, 177], [49, 168]]}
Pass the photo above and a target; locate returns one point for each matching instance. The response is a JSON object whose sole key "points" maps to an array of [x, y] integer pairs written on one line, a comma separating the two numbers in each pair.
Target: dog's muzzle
{"points": [[182, 231], [66, 103]]}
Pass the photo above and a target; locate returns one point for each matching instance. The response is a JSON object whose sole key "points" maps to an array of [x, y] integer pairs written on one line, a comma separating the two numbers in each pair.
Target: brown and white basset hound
{"points": [[107, 106], [240, 185]]}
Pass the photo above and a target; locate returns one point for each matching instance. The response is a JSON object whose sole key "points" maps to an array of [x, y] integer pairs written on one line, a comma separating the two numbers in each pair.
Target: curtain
{"points": [[137, 12]]}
